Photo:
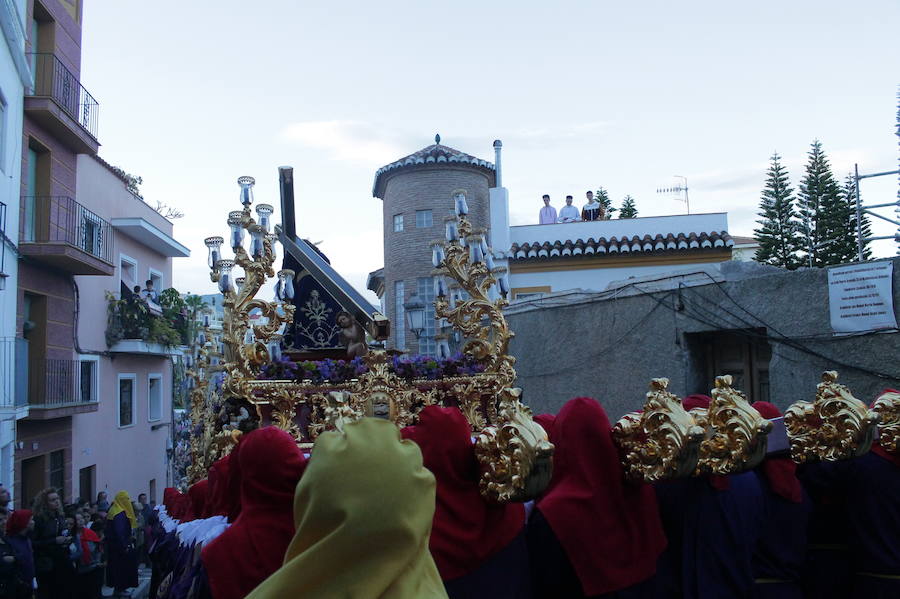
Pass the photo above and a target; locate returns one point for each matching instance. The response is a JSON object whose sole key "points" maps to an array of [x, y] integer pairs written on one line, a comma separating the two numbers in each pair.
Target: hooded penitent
{"points": [[467, 528], [780, 472], [610, 529], [198, 494], [219, 473], [363, 510], [122, 503], [253, 547]]}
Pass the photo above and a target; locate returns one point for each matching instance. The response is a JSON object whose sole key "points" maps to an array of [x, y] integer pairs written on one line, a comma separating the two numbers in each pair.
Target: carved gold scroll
{"points": [[835, 426], [887, 406], [662, 441], [737, 435]]}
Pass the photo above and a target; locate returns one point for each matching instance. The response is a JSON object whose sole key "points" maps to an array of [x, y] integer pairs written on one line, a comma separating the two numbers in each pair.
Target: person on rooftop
{"points": [[569, 213], [548, 212], [593, 210]]}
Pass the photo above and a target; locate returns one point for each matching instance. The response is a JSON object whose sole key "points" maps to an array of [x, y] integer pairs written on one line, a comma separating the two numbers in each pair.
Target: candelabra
{"points": [[244, 346]]}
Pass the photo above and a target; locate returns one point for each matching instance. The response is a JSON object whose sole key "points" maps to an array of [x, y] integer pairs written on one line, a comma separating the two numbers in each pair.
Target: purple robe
{"points": [[505, 575], [870, 484], [780, 554], [712, 535], [121, 568]]}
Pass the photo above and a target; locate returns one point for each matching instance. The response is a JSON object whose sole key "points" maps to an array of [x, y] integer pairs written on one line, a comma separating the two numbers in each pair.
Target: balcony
{"points": [[62, 233], [61, 105], [14, 359], [62, 388], [136, 326]]}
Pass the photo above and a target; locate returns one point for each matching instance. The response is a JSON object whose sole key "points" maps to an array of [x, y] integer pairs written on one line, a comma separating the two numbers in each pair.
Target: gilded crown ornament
{"points": [[835, 426], [660, 442], [737, 433], [887, 406]]}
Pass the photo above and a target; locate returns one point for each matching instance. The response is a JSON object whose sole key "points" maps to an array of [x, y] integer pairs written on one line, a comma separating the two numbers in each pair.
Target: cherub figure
{"points": [[352, 335]]}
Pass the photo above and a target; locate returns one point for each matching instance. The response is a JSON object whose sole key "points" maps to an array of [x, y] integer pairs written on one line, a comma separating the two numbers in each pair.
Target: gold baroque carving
{"points": [[662, 441], [835, 426], [737, 433], [887, 406]]}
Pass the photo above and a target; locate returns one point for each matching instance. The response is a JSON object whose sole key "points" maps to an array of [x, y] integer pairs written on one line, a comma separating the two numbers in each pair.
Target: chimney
{"points": [[497, 146]]}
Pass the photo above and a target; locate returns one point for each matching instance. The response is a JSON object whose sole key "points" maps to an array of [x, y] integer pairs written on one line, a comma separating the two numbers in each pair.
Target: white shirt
{"points": [[569, 214]]}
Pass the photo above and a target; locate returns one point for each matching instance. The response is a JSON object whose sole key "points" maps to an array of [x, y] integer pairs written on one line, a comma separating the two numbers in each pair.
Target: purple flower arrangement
{"points": [[342, 371]]}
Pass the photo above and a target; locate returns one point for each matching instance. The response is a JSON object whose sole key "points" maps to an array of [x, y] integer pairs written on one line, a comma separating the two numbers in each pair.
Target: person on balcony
{"points": [[593, 210], [547, 215], [569, 213], [592, 534], [364, 510], [149, 293], [478, 546]]}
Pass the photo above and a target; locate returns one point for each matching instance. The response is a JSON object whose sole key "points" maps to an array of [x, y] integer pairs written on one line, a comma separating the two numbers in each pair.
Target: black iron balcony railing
{"points": [[14, 361], [60, 219], [63, 383], [53, 80]]}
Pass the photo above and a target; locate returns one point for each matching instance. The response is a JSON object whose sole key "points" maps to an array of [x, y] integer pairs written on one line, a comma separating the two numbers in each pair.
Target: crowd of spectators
{"points": [[69, 551]]}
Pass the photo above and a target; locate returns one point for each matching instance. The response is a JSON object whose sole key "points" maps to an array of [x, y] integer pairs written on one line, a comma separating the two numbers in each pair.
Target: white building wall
{"points": [[597, 279], [650, 225], [14, 78]]}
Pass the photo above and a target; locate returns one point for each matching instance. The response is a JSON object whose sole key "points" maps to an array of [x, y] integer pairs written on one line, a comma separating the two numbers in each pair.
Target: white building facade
{"points": [[15, 78]]}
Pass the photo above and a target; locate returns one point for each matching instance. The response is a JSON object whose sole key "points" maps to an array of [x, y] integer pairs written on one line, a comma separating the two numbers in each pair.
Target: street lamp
{"points": [[415, 314]]}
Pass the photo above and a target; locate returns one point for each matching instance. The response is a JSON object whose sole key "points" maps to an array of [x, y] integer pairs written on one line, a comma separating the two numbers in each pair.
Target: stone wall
{"points": [[609, 345]]}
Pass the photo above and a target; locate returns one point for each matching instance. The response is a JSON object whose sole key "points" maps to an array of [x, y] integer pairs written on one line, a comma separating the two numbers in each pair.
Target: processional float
{"points": [[662, 441]]}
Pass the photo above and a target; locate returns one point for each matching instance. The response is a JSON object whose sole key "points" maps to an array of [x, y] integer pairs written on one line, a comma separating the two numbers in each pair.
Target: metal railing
{"points": [[13, 360], [62, 219], [65, 382], [52, 79]]}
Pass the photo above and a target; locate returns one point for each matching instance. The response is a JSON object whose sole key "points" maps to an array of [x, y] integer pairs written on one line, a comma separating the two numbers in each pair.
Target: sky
{"points": [[623, 95]]}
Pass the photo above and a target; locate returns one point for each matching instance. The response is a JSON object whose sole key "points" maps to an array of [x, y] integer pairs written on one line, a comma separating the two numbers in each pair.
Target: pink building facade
{"points": [[96, 417], [123, 445]]}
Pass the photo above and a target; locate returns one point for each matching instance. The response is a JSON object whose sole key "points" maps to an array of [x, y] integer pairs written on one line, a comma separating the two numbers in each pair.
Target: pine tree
{"points": [[852, 249], [628, 210], [819, 206], [602, 196], [779, 231]]}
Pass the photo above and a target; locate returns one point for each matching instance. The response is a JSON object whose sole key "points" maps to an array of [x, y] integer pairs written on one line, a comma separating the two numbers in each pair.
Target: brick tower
{"points": [[416, 194]]}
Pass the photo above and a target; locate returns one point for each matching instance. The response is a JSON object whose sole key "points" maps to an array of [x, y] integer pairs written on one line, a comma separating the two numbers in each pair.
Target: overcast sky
{"points": [[583, 94]]}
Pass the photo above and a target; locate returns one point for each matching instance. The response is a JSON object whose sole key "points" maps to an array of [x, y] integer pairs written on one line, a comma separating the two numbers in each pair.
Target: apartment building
{"points": [[15, 78], [96, 392]]}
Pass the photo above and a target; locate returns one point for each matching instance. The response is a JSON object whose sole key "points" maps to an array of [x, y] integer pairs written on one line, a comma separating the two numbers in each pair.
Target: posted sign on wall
{"points": [[859, 297]]}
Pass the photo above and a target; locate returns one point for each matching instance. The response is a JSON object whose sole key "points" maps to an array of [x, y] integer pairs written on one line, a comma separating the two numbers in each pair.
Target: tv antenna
{"points": [[678, 190]]}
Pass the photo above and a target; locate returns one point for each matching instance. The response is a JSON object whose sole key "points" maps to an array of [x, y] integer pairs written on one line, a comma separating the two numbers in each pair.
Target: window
{"points": [[398, 223], [426, 294], [423, 219], [91, 233], [128, 271], [157, 278], [154, 397], [88, 381], [30, 193], [400, 322], [126, 399], [3, 113], [58, 469]]}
